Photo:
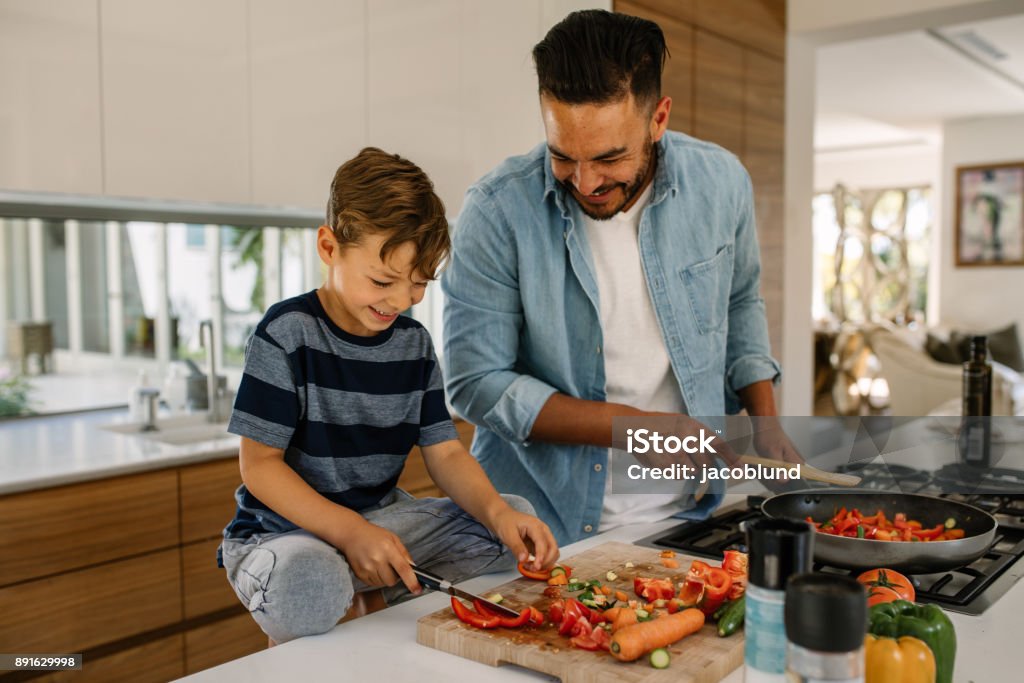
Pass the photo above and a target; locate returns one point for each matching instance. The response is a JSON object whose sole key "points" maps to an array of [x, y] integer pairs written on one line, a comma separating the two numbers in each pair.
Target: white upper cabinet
{"points": [[308, 62], [176, 99], [49, 96], [414, 97]]}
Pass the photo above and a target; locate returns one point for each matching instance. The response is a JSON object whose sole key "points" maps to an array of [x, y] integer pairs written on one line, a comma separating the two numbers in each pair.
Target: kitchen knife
{"points": [[437, 583]]}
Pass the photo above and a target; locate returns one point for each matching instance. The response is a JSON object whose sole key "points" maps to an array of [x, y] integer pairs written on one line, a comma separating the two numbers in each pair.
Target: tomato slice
{"points": [[556, 611], [602, 638]]}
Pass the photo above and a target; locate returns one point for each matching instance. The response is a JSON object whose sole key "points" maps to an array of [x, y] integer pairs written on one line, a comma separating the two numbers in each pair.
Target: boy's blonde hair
{"points": [[377, 192]]}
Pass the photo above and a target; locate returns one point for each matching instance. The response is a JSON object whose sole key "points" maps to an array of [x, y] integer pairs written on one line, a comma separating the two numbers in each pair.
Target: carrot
{"points": [[621, 597], [634, 641], [624, 617], [606, 590], [671, 564]]}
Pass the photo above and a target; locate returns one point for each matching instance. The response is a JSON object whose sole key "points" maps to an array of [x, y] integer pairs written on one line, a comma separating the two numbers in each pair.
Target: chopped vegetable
{"points": [[667, 554], [632, 642], [653, 589], [877, 527], [506, 622], [611, 576], [659, 658], [472, 617], [530, 574], [495, 598], [671, 564]]}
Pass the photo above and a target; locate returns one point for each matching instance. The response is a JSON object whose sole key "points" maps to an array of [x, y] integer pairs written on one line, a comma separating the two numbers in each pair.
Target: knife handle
{"points": [[427, 580]]}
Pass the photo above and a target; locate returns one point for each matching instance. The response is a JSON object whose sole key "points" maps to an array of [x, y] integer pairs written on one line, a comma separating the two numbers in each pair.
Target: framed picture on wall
{"points": [[990, 215]]}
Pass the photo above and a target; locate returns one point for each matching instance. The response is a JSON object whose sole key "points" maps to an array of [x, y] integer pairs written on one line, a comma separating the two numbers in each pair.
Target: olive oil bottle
{"points": [[976, 428]]}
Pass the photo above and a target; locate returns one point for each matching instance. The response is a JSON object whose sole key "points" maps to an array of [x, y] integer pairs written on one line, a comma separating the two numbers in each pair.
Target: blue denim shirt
{"points": [[522, 318]]}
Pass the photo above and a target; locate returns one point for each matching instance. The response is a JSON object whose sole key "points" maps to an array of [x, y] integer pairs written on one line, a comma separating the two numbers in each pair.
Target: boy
{"points": [[337, 389]]}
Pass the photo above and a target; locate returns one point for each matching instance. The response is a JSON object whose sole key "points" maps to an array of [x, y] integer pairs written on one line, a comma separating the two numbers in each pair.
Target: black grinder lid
{"points": [[826, 612], [779, 548]]}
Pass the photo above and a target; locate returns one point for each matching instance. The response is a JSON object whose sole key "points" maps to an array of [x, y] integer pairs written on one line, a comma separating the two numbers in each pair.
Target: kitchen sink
{"points": [[182, 430]]}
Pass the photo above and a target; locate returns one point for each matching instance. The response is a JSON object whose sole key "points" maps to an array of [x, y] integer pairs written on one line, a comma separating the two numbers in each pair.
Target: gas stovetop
{"points": [[969, 590]]}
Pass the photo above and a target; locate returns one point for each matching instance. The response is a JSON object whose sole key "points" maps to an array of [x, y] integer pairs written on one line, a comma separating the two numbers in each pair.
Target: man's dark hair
{"points": [[597, 57]]}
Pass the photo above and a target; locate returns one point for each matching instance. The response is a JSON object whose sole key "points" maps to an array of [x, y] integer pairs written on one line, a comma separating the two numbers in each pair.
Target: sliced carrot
{"points": [[671, 564], [607, 590], [667, 554], [621, 597], [624, 617], [559, 580], [632, 642]]}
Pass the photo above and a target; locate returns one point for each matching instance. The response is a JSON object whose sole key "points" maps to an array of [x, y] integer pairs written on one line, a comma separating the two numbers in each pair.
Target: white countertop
{"points": [[382, 646], [40, 452]]}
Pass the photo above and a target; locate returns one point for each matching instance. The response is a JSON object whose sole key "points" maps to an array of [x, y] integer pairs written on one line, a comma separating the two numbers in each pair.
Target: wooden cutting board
{"points": [[700, 658]]}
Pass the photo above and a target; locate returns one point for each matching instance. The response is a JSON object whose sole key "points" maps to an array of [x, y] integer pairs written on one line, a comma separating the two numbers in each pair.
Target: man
{"points": [[610, 272]]}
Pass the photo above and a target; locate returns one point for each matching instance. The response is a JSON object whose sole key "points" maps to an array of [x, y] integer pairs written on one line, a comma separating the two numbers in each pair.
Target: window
{"points": [[871, 254], [126, 295]]}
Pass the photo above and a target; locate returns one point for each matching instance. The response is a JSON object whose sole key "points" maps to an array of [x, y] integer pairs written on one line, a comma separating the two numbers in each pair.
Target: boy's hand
{"points": [[378, 557], [525, 535]]}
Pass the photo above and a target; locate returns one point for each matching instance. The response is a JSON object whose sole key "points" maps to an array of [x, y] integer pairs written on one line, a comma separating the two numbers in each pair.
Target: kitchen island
{"points": [[383, 647]]}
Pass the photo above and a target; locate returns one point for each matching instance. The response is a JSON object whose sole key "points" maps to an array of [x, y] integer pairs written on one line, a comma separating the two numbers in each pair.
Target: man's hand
{"points": [[378, 557], [770, 441], [526, 535]]}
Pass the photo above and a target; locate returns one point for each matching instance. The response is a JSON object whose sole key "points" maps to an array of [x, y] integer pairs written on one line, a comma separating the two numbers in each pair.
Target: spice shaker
{"points": [[826, 619], [779, 549]]}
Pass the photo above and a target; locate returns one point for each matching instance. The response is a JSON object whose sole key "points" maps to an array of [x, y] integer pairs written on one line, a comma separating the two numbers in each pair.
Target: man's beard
{"points": [[629, 190]]}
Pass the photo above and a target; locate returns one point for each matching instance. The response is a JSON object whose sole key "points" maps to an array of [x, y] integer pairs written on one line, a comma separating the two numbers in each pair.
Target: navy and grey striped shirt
{"points": [[346, 409]]}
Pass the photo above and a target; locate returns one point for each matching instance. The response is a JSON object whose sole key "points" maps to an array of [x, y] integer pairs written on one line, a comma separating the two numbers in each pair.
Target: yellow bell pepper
{"points": [[907, 660]]}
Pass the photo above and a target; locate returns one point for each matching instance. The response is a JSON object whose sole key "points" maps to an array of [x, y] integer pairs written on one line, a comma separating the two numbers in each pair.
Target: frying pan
{"points": [[903, 556]]}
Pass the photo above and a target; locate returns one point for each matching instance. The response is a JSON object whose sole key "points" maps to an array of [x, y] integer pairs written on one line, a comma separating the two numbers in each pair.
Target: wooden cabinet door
{"points": [[55, 530], [207, 498], [82, 609]]}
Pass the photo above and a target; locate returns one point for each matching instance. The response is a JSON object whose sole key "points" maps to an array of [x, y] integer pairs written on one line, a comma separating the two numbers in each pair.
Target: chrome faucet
{"points": [[212, 402]]}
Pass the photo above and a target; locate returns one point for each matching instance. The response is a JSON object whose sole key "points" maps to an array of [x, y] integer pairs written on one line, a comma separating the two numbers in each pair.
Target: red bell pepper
{"points": [[473, 618], [654, 589], [506, 622], [530, 574]]}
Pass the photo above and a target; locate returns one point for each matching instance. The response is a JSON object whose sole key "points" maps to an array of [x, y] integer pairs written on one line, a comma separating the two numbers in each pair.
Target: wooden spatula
{"points": [[806, 472]]}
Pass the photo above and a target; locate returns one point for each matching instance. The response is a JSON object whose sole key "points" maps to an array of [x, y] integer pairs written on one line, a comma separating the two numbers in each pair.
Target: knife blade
{"points": [[437, 583]]}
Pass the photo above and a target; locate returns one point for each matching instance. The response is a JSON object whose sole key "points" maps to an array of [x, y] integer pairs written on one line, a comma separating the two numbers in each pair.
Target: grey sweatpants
{"points": [[295, 584]]}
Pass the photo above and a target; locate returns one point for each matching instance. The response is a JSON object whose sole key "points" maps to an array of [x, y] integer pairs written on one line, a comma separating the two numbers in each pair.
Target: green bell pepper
{"points": [[927, 622]]}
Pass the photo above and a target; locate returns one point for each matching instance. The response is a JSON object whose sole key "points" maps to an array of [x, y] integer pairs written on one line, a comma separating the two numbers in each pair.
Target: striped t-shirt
{"points": [[346, 409]]}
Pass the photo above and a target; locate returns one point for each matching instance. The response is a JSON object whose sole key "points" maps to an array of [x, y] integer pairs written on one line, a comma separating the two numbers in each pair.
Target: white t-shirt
{"points": [[636, 362]]}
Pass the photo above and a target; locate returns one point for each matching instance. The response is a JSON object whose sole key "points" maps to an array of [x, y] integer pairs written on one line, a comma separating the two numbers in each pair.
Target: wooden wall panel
{"points": [[54, 530], [718, 91], [677, 79], [155, 662], [760, 24], [763, 151], [207, 498], [223, 641], [73, 612]]}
